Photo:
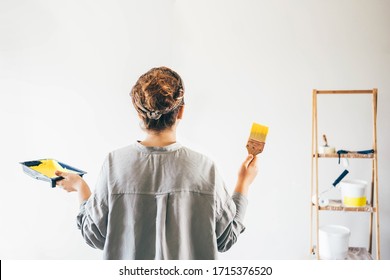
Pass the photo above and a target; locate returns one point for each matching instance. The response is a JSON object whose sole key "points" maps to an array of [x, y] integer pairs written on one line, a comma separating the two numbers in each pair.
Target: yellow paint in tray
{"points": [[48, 167]]}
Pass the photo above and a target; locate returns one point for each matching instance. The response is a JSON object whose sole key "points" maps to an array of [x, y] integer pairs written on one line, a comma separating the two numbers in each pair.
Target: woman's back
{"points": [[162, 203]]}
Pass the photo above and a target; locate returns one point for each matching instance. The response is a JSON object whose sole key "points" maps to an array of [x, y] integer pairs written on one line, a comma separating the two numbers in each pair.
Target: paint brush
{"points": [[325, 140], [256, 139]]}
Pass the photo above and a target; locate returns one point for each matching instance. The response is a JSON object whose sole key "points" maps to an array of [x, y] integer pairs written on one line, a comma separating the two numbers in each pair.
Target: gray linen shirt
{"points": [[161, 203]]}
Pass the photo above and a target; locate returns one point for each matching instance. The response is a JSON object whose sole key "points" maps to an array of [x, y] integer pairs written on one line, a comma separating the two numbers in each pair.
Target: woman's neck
{"points": [[160, 139]]}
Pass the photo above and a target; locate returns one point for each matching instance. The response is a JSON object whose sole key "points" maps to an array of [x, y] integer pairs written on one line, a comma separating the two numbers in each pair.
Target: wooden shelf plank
{"points": [[336, 205], [355, 253], [349, 155], [364, 91]]}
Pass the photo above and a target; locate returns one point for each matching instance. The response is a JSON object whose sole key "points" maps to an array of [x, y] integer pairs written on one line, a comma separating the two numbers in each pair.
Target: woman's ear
{"points": [[180, 113]]}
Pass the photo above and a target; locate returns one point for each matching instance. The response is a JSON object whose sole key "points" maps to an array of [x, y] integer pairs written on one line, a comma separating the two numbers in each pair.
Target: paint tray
{"points": [[35, 169]]}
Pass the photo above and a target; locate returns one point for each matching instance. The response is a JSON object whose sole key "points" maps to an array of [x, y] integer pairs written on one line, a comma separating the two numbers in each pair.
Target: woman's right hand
{"points": [[74, 183], [71, 182]]}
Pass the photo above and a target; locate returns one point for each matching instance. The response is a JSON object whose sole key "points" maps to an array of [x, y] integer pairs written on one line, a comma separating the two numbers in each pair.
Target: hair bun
{"points": [[158, 92]]}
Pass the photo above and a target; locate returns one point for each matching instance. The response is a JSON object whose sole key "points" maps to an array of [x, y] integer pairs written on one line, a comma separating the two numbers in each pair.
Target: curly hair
{"points": [[157, 96]]}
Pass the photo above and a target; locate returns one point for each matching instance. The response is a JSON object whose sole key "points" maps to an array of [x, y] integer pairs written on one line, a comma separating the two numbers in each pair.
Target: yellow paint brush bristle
{"points": [[259, 132], [257, 138]]}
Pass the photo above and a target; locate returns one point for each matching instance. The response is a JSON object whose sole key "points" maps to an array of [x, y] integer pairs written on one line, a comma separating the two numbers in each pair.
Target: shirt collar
{"points": [[170, 148]]}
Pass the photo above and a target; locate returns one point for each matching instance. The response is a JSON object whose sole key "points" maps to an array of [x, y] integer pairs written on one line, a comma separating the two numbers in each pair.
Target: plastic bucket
{"points": [[353, 192], [333, 242]]}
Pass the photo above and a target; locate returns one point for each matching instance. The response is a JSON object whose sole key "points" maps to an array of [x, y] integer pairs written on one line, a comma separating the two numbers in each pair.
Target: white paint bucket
{"points": [[353, 192], [333, 242]]}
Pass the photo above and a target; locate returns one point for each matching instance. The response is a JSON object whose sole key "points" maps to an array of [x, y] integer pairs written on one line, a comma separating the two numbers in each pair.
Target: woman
{"points": [[156, 199]]}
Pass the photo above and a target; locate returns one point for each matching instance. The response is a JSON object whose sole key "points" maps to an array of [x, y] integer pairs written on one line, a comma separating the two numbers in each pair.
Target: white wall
{"points": [[66, 68]]}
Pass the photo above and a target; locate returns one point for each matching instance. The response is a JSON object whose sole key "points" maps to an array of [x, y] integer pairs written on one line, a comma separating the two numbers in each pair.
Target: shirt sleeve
{"points": [[93, 215], [229, 217]]}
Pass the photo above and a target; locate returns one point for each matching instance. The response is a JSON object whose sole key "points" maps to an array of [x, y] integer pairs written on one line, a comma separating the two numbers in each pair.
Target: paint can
{"points": [[353, 193], [333, 242], [326, 150]]}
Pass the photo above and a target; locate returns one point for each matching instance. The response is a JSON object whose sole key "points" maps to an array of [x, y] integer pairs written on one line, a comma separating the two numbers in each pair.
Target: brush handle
{"points": [[325, 140], [254, 147]]}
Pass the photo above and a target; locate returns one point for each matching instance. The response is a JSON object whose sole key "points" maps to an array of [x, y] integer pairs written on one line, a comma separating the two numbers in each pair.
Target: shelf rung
{"points": [[349, 155], [364, 91], [336, 205], [355, 253]]}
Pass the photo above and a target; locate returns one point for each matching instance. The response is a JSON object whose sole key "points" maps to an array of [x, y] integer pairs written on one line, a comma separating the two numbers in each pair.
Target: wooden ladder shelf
{"points": [[336, 205]]}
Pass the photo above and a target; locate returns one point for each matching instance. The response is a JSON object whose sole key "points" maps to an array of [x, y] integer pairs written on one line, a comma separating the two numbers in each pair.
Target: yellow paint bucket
{"points": [[353, 193]]}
